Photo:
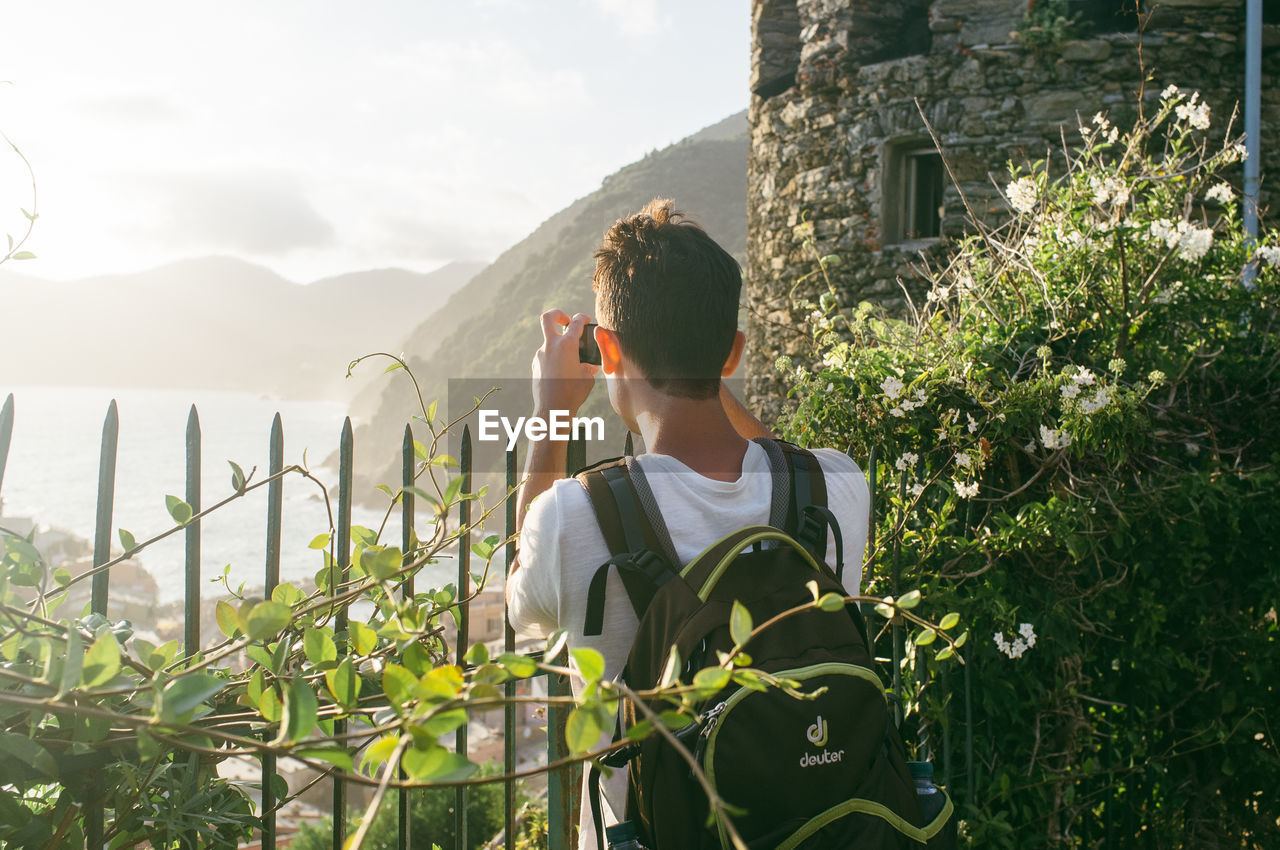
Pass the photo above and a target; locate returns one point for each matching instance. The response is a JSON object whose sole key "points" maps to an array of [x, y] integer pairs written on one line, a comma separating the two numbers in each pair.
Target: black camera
{"points": [[588, 350]]}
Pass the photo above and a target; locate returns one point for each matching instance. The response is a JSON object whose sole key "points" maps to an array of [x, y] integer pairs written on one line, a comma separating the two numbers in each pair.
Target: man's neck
{"points": [[695, 432]]}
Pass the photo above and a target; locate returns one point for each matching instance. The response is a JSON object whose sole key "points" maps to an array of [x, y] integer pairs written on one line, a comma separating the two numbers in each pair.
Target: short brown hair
{"points": [[672, 295]]}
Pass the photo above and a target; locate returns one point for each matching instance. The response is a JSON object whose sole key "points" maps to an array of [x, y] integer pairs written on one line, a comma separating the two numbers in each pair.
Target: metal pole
{"points": [[275, 513], [404, 824], [464, 585], [1252, 126]]}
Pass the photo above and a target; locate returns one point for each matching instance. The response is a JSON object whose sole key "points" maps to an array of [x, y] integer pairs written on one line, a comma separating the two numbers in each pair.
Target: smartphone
{"points": [[588, 351]]}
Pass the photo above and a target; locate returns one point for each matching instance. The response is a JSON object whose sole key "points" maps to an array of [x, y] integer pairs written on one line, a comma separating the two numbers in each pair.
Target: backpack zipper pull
{"points": [[709, 721]]}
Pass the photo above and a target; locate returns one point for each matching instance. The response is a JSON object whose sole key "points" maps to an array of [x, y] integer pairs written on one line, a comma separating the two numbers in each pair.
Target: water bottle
{"points": [[624, 836], [932, 802]]}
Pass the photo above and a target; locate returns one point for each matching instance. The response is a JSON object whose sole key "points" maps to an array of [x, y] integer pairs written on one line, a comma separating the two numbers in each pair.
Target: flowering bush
{"points": [[1078, 435]]}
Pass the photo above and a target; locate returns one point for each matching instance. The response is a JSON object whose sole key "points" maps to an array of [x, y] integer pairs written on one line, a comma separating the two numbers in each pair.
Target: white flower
{"points": [[1100, 121], [1269, 254], [897, 411], [1022, 194], [1028, 632], [1018, 647], [1029, 447], [917, 489], [1052, 439], [964, 461], [1001, 642], [1191, 242], [1108, 189], [1221, 193], [891, 387], [1026, 640], [966, 491], [1100, 400], [830, 386], [973, 426], [1195, 243], [1070, 390], [1194, 112], [1193, 449], [938, 293], [1169, 93], [921, 396], [1084, 376], [1239, 152], [907, 459]]}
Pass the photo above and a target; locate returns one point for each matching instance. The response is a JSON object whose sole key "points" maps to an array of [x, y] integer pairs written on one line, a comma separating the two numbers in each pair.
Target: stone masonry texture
{"points": [[835, 88]]}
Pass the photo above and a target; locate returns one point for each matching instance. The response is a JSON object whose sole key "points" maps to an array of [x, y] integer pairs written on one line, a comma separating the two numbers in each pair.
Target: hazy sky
{"points": [[322, 137]]}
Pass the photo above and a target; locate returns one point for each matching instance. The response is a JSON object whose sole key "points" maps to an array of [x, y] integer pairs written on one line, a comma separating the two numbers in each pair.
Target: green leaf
{"points": [[945, 653], [590, 663], [266, 619], [831, 602], [228, 619], [431, 410], [419, 450], [518, 665], [909, 600], [445, 722], [73, 660], [344, 683], [23, 255], [363, 638], [711, 679], [300, 707], [62, 576], [477, 655], [924, 637], [398, 684], [336, 757], [885, 608], [452, 490], [949, 621], [394, 366], [813, 588], [101, 662], [379, 751], [178, 509], [640, 730], [961, 640], [583, 730], [555, 645], [184, 694], [25, 751], [318, 646], [127, 541], [671, 670], [320, 541], [261, 657], [237, 477], [270, 707], [740, 624]]}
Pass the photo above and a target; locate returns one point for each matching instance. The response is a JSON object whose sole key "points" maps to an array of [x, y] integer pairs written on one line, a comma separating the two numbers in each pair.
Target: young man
{"points": [[667, 305]]}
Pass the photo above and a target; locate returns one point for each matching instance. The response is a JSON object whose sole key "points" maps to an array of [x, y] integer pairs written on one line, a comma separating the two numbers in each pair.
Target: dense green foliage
{"points": [[431, 824], [1079, 430]]}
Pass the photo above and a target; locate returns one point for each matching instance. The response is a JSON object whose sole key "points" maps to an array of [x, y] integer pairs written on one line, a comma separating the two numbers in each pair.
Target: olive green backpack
{"points": [[826, 771]]}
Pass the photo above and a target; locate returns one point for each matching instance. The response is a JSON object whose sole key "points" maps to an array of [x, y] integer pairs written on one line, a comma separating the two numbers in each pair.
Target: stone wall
{"points": [[830, 116]]}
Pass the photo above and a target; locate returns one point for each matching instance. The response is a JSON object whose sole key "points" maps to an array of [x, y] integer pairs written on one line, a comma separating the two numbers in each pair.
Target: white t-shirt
{"points": [[561, 547]]}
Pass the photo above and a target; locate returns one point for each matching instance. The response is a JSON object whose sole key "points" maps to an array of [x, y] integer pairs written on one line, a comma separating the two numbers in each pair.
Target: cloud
{"points": [[253, 212], [636, 18], [146, 108]]}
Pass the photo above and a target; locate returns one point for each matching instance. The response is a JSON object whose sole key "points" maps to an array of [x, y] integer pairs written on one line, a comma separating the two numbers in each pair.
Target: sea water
{"points": [[52, 476]]}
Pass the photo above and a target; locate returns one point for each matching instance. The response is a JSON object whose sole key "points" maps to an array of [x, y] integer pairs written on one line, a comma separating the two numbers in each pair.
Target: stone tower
{"points": [[838, 142]]}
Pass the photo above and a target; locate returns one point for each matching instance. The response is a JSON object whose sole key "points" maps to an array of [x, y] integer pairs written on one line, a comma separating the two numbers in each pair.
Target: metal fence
{"points": [[956, 762]]}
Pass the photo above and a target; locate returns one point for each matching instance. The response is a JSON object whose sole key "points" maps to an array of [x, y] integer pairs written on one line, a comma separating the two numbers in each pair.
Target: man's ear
{"points": [[735, 355], [610, 351]]}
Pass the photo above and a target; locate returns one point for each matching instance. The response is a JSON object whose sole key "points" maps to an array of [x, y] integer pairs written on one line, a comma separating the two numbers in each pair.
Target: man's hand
{"points": [[560, 380]]}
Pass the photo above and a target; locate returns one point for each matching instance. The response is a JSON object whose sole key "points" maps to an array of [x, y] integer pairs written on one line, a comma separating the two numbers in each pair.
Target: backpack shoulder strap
{"points": [[635, 537], [801, 508]]}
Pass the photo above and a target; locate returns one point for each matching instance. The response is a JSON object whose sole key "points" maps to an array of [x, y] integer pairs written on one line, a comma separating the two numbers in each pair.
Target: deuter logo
{"points": [[817, 735], [825, 757]]}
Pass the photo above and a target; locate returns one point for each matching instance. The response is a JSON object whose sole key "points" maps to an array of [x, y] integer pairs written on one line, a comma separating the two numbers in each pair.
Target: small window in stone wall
{"points": [[905, 30], [1103, 16], [914, 180]]}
